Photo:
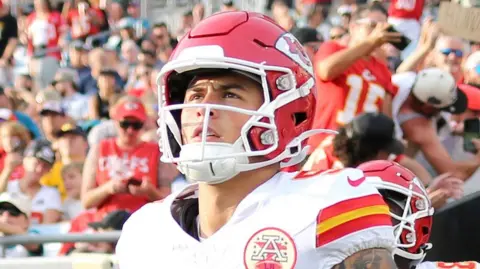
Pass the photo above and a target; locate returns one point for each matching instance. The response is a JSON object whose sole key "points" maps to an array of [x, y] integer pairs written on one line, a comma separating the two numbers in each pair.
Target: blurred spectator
{"points": [[129, 54], [14, 138], [141, 25], [25, 120], [8, 43], [113, 221], [345, 12], [405, 16], [472, 69], [161, 36], [125, 172], [116, 11], [140, 81], [316, 18], [15, 220], [98, 61], [186, 24], [76, 54], [83, 19], [340, 35], [198, 13], [99, 103], [352, 79], [72, 146], [38, 160], [126, 27], [228, 5], [457, 128], [422, 96], [44, 28], [448, 54], [52, 116], [310, 40], [72, 179], [74, 103], [369, 136], [112, 58]]}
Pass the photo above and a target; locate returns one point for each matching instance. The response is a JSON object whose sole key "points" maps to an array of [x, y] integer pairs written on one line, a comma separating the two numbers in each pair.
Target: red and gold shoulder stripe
{"points": [[349, 216]]}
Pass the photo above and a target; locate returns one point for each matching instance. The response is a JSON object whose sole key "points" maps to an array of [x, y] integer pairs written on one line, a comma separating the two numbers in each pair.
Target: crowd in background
{"points": [[78, 104]]}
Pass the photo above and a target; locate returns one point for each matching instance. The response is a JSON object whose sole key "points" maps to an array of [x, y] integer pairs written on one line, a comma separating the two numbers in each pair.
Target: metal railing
{"points": [[60, 238]]}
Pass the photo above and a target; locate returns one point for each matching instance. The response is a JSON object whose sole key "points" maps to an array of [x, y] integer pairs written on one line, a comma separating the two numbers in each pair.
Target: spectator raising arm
{"points": [[335, 64]]}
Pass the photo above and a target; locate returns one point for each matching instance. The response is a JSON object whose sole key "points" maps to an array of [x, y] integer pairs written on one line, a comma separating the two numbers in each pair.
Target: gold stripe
{"points": [[351, 215]]}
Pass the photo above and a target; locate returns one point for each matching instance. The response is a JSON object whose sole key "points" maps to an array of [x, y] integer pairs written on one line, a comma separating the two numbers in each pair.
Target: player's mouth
{"points": [[212, 136]]}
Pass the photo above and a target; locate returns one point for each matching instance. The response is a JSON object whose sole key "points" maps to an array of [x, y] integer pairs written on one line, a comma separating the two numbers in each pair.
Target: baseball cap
{"points": [[473, 62], [228, 2], [438, 88], [65, 75], [473, 96], [130, 108], [21, 202], [47, 95], [52, 106], [42, 150], [375, 127], [113, 220], [69, 128], [306, 34]]}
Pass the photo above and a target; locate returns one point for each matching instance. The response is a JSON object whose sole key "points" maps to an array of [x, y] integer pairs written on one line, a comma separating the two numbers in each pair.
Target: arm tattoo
{"points": [[374, 258]]}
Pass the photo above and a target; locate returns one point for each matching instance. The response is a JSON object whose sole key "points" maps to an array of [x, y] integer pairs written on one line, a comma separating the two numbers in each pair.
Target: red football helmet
{"points": [[253, 45], [409, 204]]}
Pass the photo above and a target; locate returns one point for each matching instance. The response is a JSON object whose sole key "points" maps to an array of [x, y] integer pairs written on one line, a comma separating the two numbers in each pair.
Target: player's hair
{"points": [[354, 151]]}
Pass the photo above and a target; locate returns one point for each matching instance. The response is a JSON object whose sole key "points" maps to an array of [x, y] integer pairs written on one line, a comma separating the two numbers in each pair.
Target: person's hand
{"points": [[380, 35], [13, 160], [144, 189], [438, 198], [429, 34], [451, 185], [117, 186]]}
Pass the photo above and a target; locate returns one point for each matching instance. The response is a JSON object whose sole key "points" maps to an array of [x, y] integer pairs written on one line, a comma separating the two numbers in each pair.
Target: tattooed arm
{"points": [[373, 258]]}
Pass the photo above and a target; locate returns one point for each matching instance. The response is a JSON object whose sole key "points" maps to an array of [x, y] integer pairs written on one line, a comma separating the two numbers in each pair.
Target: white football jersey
{"points": [[448, 265], [300, 220]]}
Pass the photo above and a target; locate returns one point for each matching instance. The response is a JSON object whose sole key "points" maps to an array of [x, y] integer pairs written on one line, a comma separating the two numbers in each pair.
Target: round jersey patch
{"points": [[270, 248]]}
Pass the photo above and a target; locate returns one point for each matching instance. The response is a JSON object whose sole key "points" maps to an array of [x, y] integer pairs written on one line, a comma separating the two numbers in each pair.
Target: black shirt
{"points": [[8, 29]]}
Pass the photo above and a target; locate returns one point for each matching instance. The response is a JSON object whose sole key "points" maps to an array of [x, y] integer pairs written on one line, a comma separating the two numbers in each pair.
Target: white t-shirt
{"points": [[72, 208], [45, 199]]}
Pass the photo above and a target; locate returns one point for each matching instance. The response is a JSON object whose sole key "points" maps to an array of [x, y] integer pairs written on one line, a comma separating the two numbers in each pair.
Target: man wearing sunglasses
{"points": [[448, 54], [352, 79], [14, 220], [124, 172]]}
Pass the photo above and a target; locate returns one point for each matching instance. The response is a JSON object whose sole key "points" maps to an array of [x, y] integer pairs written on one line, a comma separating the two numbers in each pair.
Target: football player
{"points": [[411, 212], [236, 102]]}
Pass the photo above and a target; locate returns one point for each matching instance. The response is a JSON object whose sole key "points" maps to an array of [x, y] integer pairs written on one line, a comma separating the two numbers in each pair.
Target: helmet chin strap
{"points": [[212, 169]]}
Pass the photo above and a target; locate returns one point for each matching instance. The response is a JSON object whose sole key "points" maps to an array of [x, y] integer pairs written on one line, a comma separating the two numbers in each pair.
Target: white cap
{"points": [[438, 88], [18, 200], [472, 61]]}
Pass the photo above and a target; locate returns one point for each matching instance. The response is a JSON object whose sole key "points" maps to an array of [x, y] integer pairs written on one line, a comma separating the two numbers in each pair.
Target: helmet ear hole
{"points": [[425, 230], [299, 117]]}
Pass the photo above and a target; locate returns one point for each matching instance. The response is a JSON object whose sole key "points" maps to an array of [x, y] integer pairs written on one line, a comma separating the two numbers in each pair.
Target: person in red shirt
{"points": [[84, 20], [44, 28], [125, 172], [354, 79]]}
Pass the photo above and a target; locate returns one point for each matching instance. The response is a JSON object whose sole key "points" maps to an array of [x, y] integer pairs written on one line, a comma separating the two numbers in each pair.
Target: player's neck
{"points": [[218, 202]]}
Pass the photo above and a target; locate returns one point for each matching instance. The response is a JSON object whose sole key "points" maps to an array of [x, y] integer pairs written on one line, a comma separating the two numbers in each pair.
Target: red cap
{"points": [[473, 96], [133, 109]]}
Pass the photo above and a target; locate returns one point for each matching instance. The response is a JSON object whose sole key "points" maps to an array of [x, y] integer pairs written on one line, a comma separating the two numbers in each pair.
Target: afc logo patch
{"points": [[270, 248], [290, 46]]}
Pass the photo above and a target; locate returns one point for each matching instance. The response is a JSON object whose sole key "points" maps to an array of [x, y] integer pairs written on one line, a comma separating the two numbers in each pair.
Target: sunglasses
{"points": [[136, 125], [447, 51], [12, 211]]}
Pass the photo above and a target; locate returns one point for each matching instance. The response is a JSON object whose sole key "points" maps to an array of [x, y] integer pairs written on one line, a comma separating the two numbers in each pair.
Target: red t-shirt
{"points": [[82, 27], [17, 173], [143, 161], [44, 33], [361, 88], [406, 9]]}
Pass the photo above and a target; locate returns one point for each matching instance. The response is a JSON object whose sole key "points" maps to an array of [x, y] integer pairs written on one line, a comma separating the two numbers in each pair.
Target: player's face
{"points": [[229, 90]]}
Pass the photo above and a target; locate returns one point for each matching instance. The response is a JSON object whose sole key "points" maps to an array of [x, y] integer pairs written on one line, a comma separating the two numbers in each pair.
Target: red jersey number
{"points": [[457, 265], [355, 84]]}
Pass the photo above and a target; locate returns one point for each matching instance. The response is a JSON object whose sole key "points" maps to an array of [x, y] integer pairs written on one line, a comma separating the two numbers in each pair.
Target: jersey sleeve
{"points": [[355, 220], [327, 49], [136, 235]]}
